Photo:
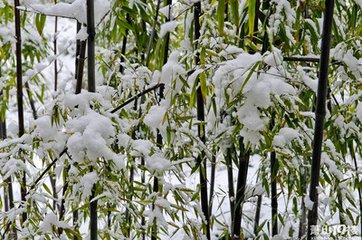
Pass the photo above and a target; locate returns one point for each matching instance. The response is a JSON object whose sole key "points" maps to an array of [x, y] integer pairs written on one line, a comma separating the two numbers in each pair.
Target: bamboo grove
{"points": [[228, 119]]}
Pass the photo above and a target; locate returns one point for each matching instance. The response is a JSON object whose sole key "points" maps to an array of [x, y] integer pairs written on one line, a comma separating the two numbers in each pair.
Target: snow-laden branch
{"points": [[75, 10]]}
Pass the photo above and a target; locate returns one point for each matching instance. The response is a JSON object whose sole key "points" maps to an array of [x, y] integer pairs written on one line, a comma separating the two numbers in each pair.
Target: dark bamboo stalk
{"points": [[124, 44], [19, 84], [274, 194], [212, 181], [307, 59], [244, 156], [229, 165], [257, 214], [320, 114], [91, 46], [201, 160], [77, 49], [92, 88], [303, 217], [55, 53], [256, 21], [80, 67]]}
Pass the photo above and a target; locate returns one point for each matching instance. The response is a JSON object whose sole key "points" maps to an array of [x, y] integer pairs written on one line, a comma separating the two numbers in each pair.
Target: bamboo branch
{"points": [[119, 107], [307, 59], [320, 114]]}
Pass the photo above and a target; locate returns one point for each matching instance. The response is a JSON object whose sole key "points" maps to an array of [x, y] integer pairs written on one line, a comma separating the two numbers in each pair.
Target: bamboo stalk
{"points": [[244, 156], [303, 217], [124, 44], [274, 194], [212, 181], [55, 52], [19, 84], [93, 225], [77, 47], [229, 165], [80, 67], [320, 114], [201, 161], [257, 214]]}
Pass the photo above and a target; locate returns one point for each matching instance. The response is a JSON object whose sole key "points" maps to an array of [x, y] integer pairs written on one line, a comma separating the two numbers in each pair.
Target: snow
{"points": [[359, 2], [167, 11], [311, 83], [82, 35], [86, 183], [142, 146], [168, 27], [285, 136], [359, 111], [155, 116], [274, 58], [157, 162], [76, 9], [49, 221]]}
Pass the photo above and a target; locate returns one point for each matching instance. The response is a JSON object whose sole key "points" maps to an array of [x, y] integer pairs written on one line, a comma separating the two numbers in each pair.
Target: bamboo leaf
{"points": [[203, 85], [234, 6], [251, 18], [40, 20], [221, 16]]}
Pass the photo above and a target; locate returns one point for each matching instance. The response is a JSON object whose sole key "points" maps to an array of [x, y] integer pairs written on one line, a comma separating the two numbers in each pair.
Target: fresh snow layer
{"points": [[285, 136], [76, 9], [168, 27]]}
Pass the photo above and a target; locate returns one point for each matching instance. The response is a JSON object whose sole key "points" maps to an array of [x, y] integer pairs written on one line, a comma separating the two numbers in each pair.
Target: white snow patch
{"points": [[168, 27], [155, 116], [359, 110], [49, 221], [157, 162], [82, 35], [86, 182], [308, 202], [285, 136]]}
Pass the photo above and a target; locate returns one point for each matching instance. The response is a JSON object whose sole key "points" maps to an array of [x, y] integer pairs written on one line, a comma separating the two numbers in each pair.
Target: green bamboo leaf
{"points": [[251, 18], [221, 16], [203, 85], [234, 6], [40, 20], [193, 95]]}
